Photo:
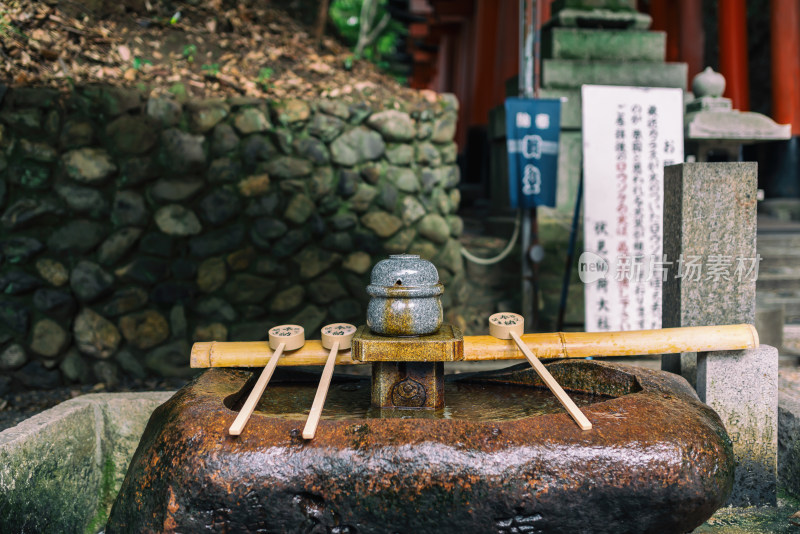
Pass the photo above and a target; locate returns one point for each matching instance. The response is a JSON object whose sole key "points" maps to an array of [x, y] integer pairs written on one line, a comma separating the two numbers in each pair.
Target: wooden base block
{"points": [[446, 345], [408, 385]]}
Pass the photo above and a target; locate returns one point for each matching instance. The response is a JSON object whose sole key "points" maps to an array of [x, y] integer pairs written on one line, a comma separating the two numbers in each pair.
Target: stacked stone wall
{"points": [[133, 226]]}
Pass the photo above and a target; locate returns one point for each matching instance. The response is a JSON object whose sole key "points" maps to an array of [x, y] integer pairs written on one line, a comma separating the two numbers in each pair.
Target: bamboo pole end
{"points": [[756, 342], [201, 355]]}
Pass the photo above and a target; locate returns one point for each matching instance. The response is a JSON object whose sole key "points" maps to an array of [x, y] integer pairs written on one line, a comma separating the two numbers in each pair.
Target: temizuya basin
{"points": [[657, 459]]}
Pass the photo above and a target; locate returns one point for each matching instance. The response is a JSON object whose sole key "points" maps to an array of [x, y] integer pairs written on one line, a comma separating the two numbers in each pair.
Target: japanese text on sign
{"points": [[629, 135]]}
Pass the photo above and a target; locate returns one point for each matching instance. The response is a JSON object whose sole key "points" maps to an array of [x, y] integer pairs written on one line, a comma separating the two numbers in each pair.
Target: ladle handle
{"points": [[255, 395], [322, 392], [551, 383]]}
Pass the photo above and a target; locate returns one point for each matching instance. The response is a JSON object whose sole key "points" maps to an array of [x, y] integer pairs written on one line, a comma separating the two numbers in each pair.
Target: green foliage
{"points": [[8, 29], [346, 14], [179, 90], [263, 77], [212, 69], [138, 62], [189, 51]]}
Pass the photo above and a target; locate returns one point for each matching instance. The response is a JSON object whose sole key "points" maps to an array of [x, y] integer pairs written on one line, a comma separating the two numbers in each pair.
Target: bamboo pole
{"points": [[485, 348]]}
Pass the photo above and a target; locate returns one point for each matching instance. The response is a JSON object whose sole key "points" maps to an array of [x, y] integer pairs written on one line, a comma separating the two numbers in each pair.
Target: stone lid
{"points": [[404, 270], [708, 83]]}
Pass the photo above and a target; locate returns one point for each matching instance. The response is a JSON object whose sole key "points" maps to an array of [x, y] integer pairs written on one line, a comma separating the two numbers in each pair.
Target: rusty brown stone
{"points": [[657, 460]]}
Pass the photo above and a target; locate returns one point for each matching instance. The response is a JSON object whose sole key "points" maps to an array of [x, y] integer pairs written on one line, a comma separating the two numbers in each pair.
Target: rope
{"points": [[506, 251]]}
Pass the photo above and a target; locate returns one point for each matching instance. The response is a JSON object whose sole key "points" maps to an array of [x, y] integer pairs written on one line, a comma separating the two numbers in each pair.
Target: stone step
{"points": [[788, 299], [600, 17], [564, 73], [615, 45], [778, 240], [787, 248], [772, 260], [779, 250], [781, 209], [791, 339], [616, 5], [780, 279]]}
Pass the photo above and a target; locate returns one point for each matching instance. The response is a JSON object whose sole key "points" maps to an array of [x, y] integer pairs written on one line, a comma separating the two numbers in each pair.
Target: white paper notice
{"points": [[629, 135]]}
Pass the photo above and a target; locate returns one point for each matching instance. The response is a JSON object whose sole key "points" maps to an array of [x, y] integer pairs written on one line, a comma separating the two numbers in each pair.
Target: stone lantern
{"points": [[714, 131]]}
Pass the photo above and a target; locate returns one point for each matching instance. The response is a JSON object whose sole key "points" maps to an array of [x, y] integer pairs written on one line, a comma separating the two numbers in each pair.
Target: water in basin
{"points": [[467, 401]]}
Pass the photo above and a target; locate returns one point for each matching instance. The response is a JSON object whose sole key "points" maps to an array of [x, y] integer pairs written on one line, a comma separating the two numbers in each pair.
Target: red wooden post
{"points": [[485, 46], [733, 51], [692, 38], [784, 44], [666, 19]]}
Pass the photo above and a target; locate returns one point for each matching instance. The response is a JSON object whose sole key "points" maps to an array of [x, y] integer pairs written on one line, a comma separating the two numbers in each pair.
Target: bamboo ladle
{"points": [[511, 326], [284, 337], [335, 337]]}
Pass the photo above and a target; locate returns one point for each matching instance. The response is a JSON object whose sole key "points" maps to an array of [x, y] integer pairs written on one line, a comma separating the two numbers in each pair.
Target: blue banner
{"points": [[532, 129]]}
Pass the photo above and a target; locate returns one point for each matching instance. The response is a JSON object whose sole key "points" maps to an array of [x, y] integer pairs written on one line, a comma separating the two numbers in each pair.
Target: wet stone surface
{"points": [[634, 472]]}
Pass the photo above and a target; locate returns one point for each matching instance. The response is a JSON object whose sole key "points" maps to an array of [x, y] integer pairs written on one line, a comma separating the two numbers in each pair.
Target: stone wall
{"points": [[133, 226]]}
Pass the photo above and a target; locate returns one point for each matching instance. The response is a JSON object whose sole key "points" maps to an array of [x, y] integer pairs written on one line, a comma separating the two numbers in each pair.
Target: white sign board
{"points": [[629, 135]]}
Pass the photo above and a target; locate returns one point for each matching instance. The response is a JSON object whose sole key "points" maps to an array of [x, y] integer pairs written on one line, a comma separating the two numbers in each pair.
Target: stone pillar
{"points": [[710, 222], [742, 387]]}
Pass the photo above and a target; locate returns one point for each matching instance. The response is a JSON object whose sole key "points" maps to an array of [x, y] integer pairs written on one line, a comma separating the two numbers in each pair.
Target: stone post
{"points": [[742, 387], [709, 220], [710, 236]]}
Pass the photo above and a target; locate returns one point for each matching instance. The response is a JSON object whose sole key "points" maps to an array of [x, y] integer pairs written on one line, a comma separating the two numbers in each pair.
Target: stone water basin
{"points": [[501, 457]]}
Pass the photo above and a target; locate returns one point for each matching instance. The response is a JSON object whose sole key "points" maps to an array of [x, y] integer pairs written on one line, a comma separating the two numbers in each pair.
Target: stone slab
{"points": [[72, 458], [564, 73], [618, 45], [789, 432], [742, 387], [709, 210], [625, 5], [570, 105], [743, 127], [601, 18], [51, 470], [125, 416]]}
